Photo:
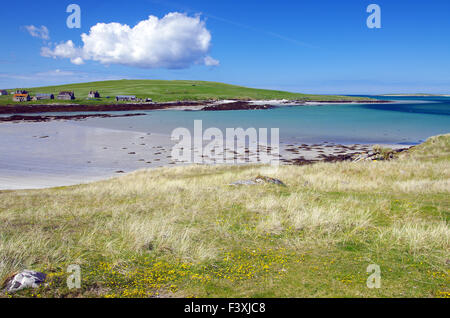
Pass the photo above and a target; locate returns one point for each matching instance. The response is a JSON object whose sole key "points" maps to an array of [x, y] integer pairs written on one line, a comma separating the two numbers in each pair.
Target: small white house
{"points": [[94, 94]]}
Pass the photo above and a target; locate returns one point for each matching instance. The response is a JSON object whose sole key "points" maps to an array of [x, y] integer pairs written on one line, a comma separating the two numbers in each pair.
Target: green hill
{"points": [[163, 91]]}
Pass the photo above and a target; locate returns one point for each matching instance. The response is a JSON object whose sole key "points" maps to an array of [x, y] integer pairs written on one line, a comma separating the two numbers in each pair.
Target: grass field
{"points": [[163, 91], [184, 232]]}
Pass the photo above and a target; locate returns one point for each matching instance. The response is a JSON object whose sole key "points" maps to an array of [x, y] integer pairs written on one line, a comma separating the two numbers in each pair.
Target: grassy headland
{"points": [[184, 231], [165, 91]]}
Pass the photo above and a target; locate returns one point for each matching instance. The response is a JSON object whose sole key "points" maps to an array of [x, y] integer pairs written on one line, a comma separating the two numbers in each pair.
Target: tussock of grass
{"points": [[184, 231], [422, 236]]}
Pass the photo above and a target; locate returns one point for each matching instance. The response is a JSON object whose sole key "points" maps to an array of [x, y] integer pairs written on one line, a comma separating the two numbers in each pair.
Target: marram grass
{"points": [[184, 232]]}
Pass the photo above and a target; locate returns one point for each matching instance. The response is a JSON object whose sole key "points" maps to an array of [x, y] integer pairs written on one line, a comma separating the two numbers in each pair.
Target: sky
{"points": [[309, 46]]}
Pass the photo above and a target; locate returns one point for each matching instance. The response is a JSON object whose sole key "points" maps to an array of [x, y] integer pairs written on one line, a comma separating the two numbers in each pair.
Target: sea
{"points": [[406, 121]]}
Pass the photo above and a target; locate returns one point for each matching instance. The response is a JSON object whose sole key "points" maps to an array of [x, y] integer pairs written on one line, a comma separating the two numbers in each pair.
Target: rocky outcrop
{"points": [[239, 105]]}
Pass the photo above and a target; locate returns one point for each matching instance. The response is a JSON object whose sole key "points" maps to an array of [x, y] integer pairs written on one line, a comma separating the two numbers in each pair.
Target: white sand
{"points": [[71, 154], [63, 153]]}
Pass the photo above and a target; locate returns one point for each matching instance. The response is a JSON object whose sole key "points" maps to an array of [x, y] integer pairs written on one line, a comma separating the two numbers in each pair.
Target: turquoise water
{"points": [[408, 121]]}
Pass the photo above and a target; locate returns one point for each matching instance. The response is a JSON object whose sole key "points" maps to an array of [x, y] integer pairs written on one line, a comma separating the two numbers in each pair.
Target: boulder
{"points": [[263, 179], [259, 180], [244, 182], [25, 279]]}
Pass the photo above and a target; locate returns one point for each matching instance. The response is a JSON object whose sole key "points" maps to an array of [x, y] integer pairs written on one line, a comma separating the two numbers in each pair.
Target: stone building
{"points": [[66, 95], [43, 96]]}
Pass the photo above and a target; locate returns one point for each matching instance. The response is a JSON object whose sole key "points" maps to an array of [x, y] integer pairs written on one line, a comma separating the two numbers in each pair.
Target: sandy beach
{"points": [[62, 153], [39, 155]]}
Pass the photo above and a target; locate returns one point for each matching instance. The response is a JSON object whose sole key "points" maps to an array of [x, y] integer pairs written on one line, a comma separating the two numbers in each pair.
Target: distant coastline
{"points": [[415, 95], [151, 93], [207, 105]]}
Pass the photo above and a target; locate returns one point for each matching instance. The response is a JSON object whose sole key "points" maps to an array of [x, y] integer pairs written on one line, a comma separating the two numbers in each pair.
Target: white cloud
{"points": [[77, 61], [175, 41], [56, 73], [65, 50], [209, 61], [36, 32]]}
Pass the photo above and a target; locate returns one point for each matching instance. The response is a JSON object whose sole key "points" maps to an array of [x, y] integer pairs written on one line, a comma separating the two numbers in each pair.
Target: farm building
{"points": [[43, 96], [3, 92], [66, 95], [21, 91], [94, 94], [21, 98], [124, 98]]}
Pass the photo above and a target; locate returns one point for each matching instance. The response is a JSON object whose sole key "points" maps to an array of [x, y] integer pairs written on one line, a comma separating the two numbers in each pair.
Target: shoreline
{"points": [[185, 105], [304, 155], [39, 119]]}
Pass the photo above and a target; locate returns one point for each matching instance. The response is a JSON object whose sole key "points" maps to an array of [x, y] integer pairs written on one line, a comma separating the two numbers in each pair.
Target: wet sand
{"points": [[37, 119]]}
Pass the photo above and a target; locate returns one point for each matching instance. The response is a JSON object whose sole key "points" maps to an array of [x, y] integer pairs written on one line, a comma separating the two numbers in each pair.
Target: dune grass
{"points": [[164, 91], [184, 232]]}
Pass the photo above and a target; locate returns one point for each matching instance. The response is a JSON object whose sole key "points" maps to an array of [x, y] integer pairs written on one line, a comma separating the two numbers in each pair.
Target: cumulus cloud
{"points": [[174, 41], [41, 33], [65, 50]]}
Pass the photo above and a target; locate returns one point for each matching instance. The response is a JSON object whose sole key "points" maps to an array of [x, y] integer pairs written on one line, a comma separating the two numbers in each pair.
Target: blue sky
{"points": [[304, 45]]}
